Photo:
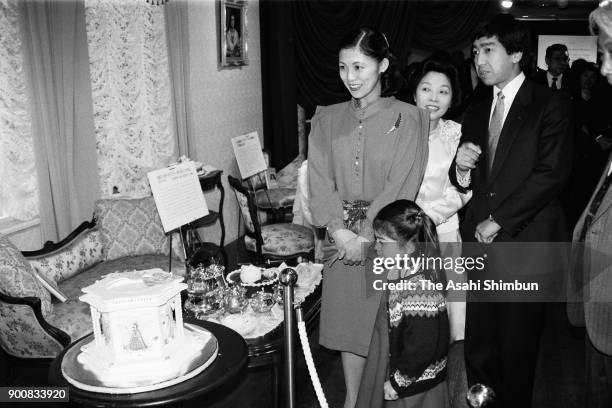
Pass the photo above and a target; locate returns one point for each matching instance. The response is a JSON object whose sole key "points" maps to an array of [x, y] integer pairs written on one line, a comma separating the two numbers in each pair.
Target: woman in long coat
{"points": [[363, 155]]}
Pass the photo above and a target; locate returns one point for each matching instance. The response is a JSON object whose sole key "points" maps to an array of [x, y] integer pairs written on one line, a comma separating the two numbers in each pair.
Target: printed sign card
{"points": [[178, 195], [249, 156]]}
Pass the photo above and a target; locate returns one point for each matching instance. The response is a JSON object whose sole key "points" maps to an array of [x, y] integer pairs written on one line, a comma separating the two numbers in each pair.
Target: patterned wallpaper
{"points": [[225, 103]]}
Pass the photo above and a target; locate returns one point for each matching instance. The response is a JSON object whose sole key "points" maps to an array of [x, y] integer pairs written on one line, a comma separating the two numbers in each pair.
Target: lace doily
{"points": [[252, 325]]}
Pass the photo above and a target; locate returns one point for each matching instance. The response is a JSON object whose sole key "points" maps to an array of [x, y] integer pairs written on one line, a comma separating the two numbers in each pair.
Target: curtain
{"points": [[19, 187], [278, 82], [319, 24], [444, 25], [177, 31], [57, 74], [323, 23], [300, 61], [130, 84]]}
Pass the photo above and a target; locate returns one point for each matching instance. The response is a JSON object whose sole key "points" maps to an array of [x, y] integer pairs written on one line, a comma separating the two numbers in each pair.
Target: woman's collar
{"points": [[372, 108]]}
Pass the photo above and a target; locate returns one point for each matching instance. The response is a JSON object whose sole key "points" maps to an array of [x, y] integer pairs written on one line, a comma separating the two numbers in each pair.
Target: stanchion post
{"points": [[288, 278]]}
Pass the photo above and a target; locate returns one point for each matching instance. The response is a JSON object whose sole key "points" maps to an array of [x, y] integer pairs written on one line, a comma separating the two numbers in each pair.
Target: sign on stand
{"points": [[178, 195], [249, 155]]}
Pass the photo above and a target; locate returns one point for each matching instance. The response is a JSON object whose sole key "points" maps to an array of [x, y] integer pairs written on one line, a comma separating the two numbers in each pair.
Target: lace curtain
{"points": [[19, 187], [131, 93]]}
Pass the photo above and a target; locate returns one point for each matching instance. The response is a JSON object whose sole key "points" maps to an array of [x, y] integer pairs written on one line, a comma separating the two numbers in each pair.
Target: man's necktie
{"points": [[553, 84], [495, 127], [599, 196]]}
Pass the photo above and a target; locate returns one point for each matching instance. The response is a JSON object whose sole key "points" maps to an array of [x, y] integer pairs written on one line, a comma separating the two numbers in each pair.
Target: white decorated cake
{"points": [[139, 336]]}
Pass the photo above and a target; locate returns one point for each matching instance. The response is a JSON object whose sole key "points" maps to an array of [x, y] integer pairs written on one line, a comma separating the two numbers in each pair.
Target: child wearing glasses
{"points": [[406, 365]]}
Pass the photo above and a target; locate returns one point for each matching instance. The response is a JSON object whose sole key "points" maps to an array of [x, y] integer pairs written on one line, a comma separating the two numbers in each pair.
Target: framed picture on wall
{"points": [[233, 47]]}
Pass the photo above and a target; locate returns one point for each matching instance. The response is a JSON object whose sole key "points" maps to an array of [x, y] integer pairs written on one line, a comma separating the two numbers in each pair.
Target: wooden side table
{"points": [[230, 363], [196, 246]]}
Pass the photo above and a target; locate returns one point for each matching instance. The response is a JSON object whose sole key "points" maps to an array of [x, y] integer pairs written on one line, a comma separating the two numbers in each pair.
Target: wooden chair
{"points": [[281, 241]]}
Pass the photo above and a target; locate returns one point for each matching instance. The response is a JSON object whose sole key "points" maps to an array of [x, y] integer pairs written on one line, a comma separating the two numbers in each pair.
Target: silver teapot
{"points": [[204, 289], [234, 300], [262, 302]]}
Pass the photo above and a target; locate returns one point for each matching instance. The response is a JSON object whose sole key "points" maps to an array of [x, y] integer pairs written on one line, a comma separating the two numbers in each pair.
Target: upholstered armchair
{"points": [[282, 241], [126, 234]]}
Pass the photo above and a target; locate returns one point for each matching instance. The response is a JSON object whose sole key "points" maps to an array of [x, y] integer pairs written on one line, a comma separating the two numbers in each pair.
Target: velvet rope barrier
{"points": [[312, 370], [288, 278]]}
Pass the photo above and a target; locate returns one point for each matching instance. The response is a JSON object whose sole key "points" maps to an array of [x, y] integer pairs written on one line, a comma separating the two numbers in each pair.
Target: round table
{"points": [[230, 362]]}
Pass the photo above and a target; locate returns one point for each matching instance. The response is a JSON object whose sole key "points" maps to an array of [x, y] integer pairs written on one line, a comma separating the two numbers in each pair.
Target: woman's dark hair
{"points": [[441, 66], [578, 67], [512, 34], [374, 44], [404, 221]]}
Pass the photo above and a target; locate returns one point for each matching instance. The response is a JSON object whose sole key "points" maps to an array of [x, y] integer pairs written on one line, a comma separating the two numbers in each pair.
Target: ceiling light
{"points": [[506, 4]]}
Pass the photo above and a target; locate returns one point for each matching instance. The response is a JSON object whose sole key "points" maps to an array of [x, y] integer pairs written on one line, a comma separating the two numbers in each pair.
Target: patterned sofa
{"points": [[126, 234]]}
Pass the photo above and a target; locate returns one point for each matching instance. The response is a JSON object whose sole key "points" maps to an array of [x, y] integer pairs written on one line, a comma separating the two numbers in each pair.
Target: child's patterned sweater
{"points": [[418, 336]]}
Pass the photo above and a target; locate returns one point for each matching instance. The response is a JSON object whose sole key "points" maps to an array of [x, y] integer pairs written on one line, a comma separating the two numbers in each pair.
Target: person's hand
{"points": [[390, 393], [353, 253], [341, 238], [486, 231], [467, 157]]}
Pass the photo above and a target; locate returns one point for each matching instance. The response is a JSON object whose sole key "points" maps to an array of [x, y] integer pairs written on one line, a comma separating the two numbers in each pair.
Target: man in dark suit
{"points": [[557, 61], [590, 294], [515, 156]]}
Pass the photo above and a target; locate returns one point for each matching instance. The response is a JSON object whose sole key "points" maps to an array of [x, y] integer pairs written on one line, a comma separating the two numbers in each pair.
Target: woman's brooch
{"points": [[396, 125]]}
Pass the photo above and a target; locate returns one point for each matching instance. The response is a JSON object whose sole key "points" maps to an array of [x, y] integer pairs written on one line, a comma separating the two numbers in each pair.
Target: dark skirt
{"points": [[371, 394], [348, 309], [348, 304]]}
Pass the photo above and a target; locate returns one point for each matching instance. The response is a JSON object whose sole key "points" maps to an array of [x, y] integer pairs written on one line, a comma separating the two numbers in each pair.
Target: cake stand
{"points": [[76, 374]]}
